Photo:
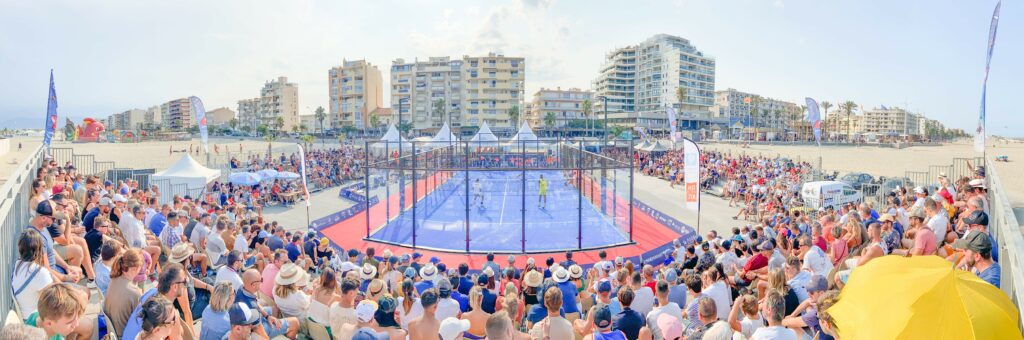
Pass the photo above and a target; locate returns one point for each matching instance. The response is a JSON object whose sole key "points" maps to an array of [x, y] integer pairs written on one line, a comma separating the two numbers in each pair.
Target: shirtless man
{"points": [[426, 326]]}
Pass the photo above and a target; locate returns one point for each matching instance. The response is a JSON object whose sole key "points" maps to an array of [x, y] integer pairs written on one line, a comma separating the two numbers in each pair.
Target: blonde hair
{"points": [[60, 300], [284, 290], [511, 298], [476, 296], [777, 281], [222, 297]]}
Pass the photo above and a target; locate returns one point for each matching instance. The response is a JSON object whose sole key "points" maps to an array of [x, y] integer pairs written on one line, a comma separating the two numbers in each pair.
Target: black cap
{"points": [[977, 217], [975, 241], [44, 209]]}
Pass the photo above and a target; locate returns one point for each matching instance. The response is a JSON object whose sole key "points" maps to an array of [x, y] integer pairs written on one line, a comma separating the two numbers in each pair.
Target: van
{"points": [[833, 194]]}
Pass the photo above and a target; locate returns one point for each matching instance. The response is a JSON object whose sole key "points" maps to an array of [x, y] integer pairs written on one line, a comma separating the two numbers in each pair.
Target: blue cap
{"points": [[410, 272], [353, 252], [107, 183], [416, 255], [482, 279], [603, 317], [369, 334], [393, 259], [726, 244], [604, 286], [240, 314], [434, 259], [671, 276]]}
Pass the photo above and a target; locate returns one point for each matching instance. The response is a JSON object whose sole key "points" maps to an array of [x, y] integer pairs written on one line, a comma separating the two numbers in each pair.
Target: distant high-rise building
{"points": [[770, 114], [278, 98], [472, 90], [220, 117], [355, 90], [640, 81], [176, 115], [127, 120]]}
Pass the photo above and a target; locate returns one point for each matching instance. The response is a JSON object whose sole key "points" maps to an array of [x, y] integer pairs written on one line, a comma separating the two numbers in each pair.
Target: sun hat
{"points": [[181, 252], [575, 272], [451, 328], [918, 190], [428, 272], [488, 271], [533, 279], [365, 310], [119, 198], [325, 241], [368, 272], [669, 325], [290, 274], [560, 275], [347, 267], [977, 183], [886, 218], [240, 315]]}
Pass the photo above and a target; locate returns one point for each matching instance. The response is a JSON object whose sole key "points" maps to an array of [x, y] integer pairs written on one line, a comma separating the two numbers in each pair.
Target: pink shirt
{"points": [[925, 240], [269, 273]]}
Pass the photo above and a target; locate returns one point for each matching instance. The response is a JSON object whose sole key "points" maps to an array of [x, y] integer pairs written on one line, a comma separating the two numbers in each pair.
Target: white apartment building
{"points": [[473, 90], [563, 105], [429, 93], [890, 121], [355, 90], [278, 98], [176, 115], [128, 120], [642, 80], [770, 114]]}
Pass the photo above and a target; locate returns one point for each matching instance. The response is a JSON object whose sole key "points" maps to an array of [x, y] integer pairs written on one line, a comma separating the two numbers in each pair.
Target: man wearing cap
{"points": [[426, 326], [892, 232], [102, 210], [923, 242], [272, 326], [364, 328], [56, 264], [977, 247], [676, 290], [242, 321], [446, 306], [804, 320], [415, 264], [976, 188]]}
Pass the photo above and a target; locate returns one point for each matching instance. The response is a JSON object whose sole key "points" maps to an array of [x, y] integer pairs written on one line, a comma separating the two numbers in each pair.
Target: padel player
{"points": [[478, 193], [542, 199]]}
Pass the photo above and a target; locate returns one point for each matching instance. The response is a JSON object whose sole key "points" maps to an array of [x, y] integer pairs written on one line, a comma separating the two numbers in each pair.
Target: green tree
{"points": [[513, 115], [681, 95], [405, 127], [375, 122], [587, 110], [549, 120], [439, 109], [848, 107], [295, 128], [320, 116], [307, 141], [278, 123], [246, 128], [617, 130], [233, 123], [755, 113]]}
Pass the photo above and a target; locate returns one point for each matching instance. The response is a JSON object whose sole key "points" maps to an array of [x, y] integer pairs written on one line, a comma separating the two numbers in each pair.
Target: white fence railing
{"points": [[14, 216], [1009, 238]]}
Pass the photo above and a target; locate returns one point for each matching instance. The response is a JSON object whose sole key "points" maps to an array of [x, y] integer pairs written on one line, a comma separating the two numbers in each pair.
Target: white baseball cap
{"points": [[452, 327]]}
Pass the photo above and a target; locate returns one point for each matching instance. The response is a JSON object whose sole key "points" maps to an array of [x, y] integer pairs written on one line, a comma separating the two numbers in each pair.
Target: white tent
{"points": [[391, 139], [655, 147], [524, 134], [186, 171], [443, 138], [484, 135]]}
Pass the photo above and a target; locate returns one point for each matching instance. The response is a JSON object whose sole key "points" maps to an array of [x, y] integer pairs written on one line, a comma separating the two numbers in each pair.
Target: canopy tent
{"points": [[443, 138], [484, 135], [642, 145], [392, 139], [655, 147], [525, 134], [185, 171]]}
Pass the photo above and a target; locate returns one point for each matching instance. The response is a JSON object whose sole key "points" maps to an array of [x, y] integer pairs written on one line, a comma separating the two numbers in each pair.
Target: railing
{"points": [[1006, 230], [14, 216]]}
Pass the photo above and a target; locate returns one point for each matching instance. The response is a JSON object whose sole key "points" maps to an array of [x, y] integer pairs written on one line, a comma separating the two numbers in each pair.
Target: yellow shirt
{"points": [[543, 186]]}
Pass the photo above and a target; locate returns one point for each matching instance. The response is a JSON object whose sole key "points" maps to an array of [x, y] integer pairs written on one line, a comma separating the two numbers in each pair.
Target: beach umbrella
{"points": [[267, 174], [921, 297], [287, 175], [244, 178]]}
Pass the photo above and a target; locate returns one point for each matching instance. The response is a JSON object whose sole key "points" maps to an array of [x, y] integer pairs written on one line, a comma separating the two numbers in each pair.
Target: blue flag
{"points": [[814, 116], [51, 114], [979, 137]]}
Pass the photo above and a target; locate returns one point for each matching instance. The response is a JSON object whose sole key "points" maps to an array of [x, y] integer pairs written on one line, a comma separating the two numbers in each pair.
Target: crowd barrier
{"points": [[1009, 238], [14, 216]]}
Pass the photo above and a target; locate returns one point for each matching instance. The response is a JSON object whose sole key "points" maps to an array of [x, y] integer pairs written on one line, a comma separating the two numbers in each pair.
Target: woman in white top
{"points": [[323, 297], [288, 296], [29, 274], [409, 306]]}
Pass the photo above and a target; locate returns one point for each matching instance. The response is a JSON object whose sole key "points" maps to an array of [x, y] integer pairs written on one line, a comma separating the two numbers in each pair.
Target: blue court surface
{"points": [[495, 222]]}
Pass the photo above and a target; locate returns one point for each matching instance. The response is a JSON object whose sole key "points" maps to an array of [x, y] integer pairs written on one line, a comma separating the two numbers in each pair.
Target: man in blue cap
{"points": [[416, 261], [243, 320], [603, 325]]}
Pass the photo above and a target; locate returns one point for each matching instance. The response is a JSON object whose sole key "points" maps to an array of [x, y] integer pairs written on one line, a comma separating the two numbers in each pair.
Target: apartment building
{"points": [[641, 80], [355, 90], [466, 92], [219, 117], [563, 106], [278, 98], [176, 115], [749, 110], [128, 120]]}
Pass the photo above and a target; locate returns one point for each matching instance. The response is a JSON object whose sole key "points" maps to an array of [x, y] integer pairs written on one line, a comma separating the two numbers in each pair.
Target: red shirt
{"points": [[756, 262], [821, 243]]}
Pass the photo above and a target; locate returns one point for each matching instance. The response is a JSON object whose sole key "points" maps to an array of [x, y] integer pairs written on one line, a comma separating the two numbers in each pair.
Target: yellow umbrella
{"points": [[922, 297]]}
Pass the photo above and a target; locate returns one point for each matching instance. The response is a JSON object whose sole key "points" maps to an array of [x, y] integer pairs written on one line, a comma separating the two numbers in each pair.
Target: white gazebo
{"points": [[525, 134], [391, 140], [484, 135], [443, 138], [185, 171]]}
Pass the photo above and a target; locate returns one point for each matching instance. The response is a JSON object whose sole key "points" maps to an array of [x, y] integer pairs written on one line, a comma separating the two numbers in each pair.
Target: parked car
{"points": [[857, 179]]}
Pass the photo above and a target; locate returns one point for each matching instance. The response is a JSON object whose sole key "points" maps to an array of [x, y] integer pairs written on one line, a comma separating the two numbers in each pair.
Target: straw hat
{"points": [[428, 272], [181, 252], [488, 271], [290, 274], [560, 275], [575, 272], [368, 272], [533, 279]]}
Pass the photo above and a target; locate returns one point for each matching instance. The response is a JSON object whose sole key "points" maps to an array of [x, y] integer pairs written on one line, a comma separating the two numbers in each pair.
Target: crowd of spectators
{"points": [[195, 269]]}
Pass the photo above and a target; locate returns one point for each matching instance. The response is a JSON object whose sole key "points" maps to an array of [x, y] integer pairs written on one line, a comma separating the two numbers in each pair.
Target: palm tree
{"points": [[320, 116], [513, 115], [587, 110], [848, 106], [233, 123], [375, 122], [269, 136], [755, 113], [549, 120], [824, 114], [439, 108], [681, 95], [307, 141], [797, 117], [278, 123]]}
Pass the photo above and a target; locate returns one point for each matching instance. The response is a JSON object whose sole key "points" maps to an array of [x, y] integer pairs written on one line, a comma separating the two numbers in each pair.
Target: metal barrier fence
{"points": [[1006, 230], [14, 216]]}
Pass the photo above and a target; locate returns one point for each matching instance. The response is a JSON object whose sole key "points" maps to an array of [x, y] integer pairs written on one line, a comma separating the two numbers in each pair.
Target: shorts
{"points": [[271, 331], [61, 250]]}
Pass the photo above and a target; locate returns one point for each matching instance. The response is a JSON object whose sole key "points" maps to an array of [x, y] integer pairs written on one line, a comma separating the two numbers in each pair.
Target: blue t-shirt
{"points": [[89, 218], [102, 277], [293, 251], [629, 321], [463, 301], [423, 286], [538, 313], [133, 327], [569, 293], [215, 324], [991, 274], [275, 243], [157, 223], [465, 284]]}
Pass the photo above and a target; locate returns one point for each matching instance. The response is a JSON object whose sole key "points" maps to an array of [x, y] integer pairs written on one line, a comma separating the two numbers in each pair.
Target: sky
{"points": [[111, 56]]}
